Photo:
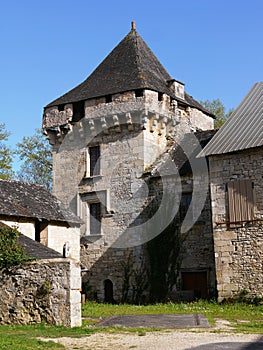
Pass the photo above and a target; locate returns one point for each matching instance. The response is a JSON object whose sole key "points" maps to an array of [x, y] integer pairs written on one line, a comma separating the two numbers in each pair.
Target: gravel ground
{"points": [[167, 340], [170, 340]]}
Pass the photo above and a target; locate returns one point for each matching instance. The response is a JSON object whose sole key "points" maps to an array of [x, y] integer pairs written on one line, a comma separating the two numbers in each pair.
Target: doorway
{"points": [[108, 291], [196, 282]]}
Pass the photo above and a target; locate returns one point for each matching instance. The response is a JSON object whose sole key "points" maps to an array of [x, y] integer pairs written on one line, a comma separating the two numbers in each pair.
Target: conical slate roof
{"points": [[131, 65], [244, 129]]}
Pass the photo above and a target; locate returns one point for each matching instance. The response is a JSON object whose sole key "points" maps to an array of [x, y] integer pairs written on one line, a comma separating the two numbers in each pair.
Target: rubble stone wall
{"points": [[238, 248], [41, 291]]}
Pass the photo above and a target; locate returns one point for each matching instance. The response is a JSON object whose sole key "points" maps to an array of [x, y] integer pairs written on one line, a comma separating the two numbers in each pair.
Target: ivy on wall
{"points": [[11, 253], [164, 252]]}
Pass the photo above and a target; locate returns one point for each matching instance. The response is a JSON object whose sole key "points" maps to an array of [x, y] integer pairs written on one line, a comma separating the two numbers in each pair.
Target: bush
{"points": [[11, 253]]}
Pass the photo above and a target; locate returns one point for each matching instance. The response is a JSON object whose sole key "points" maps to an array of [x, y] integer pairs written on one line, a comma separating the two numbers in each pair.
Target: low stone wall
{"points": [[41, 291]]}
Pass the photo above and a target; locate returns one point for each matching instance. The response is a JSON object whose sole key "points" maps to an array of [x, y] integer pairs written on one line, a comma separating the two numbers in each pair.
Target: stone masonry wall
{"points": [[238, 248], [132, 133], [41, 291]]}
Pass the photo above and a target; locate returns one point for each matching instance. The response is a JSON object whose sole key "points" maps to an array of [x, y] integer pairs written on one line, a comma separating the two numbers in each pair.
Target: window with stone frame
{"points": [[92, 207], [93, 161], [241, 201], [95, 218]]}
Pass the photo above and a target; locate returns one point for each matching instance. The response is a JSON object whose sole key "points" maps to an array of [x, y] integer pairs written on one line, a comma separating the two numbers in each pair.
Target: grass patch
{"points": [[242, 317], [23, 342], [25, 337], [231, 312]]}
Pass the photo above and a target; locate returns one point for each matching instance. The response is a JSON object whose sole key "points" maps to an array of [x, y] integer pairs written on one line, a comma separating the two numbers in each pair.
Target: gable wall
{"points": [[238, 248], [56, 234], [23, 225]]}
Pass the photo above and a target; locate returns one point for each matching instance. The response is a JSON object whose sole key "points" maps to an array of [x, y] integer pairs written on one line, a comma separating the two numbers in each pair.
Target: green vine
{"points": [[164, 253], [11, 253]]}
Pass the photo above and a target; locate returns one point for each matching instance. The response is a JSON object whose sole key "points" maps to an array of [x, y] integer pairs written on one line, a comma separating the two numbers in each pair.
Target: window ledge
{"points": [[95, 177]]}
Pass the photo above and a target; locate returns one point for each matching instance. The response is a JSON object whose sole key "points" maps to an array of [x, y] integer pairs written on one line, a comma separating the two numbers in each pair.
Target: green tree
{"points": [[36, 154], [6, 172], [11, 253], [218, 109]]}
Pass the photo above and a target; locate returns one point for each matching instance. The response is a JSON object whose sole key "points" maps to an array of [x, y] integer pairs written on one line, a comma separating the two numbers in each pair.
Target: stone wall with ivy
{"points": [[41, 291]]}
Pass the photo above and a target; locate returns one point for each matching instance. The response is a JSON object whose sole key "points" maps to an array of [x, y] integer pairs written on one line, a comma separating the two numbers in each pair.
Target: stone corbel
{"points": [[70, 132], [92, 127], [129, 122], [162, 124], [154, 122], [116, 123], [104, 126], [51, 137], [188, 110]]}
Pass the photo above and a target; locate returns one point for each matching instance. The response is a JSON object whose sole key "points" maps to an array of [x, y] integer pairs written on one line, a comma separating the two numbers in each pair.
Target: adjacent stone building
{"points": [[125, 144], [46, 289], [37, 214], [236, 167]]}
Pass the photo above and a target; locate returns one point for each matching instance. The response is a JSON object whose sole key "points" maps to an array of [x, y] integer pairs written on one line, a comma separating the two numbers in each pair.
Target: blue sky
{"points": [[50, 46]]}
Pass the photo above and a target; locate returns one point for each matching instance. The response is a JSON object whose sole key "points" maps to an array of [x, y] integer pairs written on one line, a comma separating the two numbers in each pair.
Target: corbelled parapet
{"points": [[114, 117]]}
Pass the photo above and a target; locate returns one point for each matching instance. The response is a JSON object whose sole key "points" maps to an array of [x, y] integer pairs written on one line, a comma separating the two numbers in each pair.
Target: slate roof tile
{"points": [[32, 201], [131, 65]]}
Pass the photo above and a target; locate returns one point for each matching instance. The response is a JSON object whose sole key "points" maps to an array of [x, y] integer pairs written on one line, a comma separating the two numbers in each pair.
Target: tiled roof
{"points": [[130, 66], [244, 129], [32, 201], [35, 249]]}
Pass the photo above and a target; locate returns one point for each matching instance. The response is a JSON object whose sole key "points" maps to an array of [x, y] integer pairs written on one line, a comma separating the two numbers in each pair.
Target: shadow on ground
{"points": [[257, 345], [156, 321]]}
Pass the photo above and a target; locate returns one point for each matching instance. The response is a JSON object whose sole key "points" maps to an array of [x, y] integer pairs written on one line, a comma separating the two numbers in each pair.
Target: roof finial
{"points": [[133, 25]]}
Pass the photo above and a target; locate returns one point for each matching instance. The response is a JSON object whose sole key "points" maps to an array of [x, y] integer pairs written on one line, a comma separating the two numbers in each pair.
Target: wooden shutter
{"points": [[241, 200]]}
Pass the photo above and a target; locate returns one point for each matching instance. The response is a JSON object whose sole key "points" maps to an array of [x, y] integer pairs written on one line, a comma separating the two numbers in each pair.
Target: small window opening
{"points": [[139, 93], [108, 99], [78, 111], [160, 96], [94, 155], [95, 218], [60, 108]]}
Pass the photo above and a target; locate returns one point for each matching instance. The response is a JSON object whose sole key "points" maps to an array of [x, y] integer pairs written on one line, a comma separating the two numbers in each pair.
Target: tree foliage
{"points": [[11, 253], [36, 153], [6, 172], [218, 109]]}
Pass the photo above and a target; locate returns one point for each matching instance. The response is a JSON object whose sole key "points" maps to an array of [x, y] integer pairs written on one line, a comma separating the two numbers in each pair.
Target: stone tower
{"points": [[107, 134]]}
